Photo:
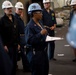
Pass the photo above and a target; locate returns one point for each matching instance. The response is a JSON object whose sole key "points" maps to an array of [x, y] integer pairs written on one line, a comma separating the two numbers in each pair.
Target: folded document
{"points": [[48, 38]]}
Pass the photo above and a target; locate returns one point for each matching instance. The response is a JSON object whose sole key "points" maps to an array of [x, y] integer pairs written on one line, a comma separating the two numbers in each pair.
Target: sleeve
{"points": [[32, 38], [5, 63], [1, 31], [18, 32], [42, 18], [71, 15], [54, 18], [0, 26]]}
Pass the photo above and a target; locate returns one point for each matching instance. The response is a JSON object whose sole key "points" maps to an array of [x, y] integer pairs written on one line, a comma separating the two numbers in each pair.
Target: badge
{"points": [[52, 14], [20, 5], [52, 18], [9, 4], [33, 7]]}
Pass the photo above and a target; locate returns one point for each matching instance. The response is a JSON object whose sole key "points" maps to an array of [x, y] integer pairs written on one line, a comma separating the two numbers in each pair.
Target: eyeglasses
{"points": [[47, 3], [38, 12]]}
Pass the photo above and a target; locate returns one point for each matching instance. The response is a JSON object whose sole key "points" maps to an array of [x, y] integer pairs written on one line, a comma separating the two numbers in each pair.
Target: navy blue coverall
{"points": [[5, 62], [49, 20], [22, 41], [39, 59], [10, 38]]}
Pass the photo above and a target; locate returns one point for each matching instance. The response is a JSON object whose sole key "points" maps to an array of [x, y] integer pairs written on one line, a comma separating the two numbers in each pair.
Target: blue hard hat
{"points": [[34, 7], [71, 35]]}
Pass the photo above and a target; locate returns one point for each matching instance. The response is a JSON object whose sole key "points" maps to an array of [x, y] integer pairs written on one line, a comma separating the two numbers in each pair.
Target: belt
{"points": [[22, 34]]}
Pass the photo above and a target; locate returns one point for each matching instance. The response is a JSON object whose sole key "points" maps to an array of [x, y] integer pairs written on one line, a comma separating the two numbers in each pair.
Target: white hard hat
{"points": [[45, 1], [7, 4], [19, 5], [34, 7], [73, 2]]}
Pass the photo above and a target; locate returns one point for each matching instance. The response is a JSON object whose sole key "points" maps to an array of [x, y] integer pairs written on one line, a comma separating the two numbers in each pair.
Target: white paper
{"points": [[48, 38]]}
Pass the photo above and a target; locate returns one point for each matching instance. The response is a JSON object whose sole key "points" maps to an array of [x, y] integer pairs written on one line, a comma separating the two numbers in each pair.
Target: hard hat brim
{"points": [[30, 12], [46, 2], [7, 7], [19, 7]]}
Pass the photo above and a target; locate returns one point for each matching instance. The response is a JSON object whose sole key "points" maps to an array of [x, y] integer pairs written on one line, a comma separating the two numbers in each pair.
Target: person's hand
{"points": [[18, 47], [52, 28], [43, 32], [5, 48]]}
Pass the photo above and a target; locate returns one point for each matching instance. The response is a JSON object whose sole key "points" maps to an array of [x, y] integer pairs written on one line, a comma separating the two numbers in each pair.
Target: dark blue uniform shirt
{"points": [[33, 36], [20, 24], [49, 20], [9, 31]]}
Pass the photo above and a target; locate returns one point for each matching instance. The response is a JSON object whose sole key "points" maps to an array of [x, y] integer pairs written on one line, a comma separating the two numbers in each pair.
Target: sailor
{"points": [[35, 37]]}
